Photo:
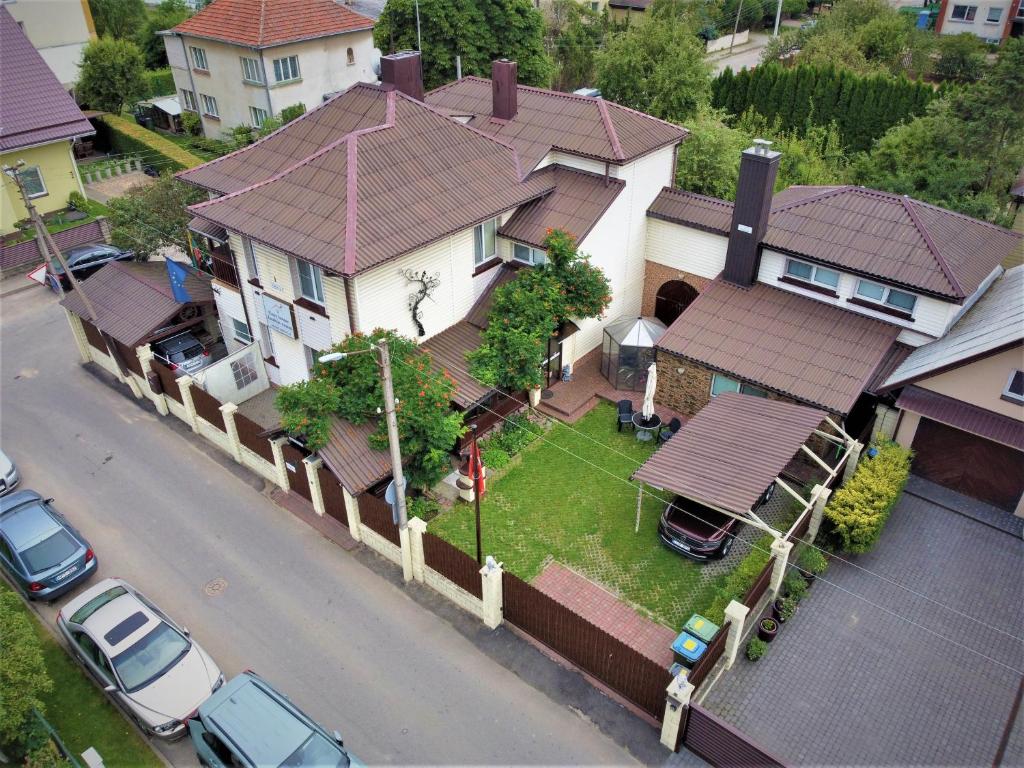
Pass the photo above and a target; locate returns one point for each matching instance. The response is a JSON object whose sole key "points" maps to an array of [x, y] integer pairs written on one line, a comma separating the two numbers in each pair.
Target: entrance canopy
{"points": [[731, 451]]}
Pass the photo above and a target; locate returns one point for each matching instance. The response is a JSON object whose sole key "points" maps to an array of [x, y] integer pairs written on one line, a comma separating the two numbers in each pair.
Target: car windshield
{"points": [[49, 552], [316, 751], [56, 266], [95, 604], [150, 657], [188, 353]]}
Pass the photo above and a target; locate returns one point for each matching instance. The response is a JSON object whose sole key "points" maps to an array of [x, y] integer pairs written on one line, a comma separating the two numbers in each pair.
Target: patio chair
{"points": [[671, 429], [625, 413]]}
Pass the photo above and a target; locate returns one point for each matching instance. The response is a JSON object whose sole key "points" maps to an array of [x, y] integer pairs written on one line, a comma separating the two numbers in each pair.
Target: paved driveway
{"points": [[845, 683]]}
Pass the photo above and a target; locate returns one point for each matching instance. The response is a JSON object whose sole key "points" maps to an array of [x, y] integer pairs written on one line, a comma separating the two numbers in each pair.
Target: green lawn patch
{"points": [[554, 505], [82, 715]]}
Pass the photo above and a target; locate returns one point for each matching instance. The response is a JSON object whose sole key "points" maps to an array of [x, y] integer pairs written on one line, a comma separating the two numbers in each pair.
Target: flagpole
{"points": [[476, 495]]}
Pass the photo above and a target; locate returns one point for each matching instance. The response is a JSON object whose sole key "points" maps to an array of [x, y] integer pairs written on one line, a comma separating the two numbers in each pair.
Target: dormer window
{"points": [[528, 255], [1014, 391], [801, 270], [890, 297]]}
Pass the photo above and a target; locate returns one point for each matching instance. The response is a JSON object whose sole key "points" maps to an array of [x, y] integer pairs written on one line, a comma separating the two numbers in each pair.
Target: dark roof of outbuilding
{"points": [[448, 353], [351, 459], [803, 348], [892, 237], [34, 108], [546, 120], [349, 202], [134, 299], [479, 313], [964, 416], [261, 23], [731, 451], [575, 205]]}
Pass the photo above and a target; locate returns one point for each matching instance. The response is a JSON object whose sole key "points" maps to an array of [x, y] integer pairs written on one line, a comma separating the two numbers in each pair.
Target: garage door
{"points": [[969, 464]]}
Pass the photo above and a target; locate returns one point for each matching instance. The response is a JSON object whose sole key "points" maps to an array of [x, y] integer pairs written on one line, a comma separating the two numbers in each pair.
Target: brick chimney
{"points": [[403, 71], [758, 166], [503, 89]]}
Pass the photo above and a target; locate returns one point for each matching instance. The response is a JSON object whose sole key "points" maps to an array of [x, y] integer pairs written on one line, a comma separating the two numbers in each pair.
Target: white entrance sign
{"points": [[279, 316]]}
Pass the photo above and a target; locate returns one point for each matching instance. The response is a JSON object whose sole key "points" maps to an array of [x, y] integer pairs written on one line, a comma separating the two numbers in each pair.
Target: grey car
{"points": [[182, 352], [85, 260], [9, 477], [41, 551]]}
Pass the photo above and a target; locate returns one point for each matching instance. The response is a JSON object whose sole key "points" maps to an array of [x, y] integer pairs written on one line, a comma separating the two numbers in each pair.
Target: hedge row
{"points": [[126, 137], [158, 82], [857, 512]]}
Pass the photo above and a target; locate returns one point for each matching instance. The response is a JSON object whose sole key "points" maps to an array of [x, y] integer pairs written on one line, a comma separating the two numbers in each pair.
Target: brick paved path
{"points": [[847, 684]]}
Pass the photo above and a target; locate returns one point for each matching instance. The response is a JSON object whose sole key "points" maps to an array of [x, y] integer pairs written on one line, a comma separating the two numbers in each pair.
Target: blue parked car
{"points": [[41, 551], [248, 723]]}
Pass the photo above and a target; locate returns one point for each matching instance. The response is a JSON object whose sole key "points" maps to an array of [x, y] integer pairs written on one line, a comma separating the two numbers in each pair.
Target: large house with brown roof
{"points": [[238, 62], [813, 294]]}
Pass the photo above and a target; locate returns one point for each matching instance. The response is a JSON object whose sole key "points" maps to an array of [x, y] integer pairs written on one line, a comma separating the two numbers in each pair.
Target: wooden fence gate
{"points": [[720, 744], [297, 479]]}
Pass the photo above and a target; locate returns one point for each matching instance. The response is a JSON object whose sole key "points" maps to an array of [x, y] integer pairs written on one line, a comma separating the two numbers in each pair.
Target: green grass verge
{"points": [[554, 505], [82, 715]]}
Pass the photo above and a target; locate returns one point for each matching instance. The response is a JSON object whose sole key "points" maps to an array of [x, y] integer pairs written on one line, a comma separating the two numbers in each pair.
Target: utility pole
{"points": [[476, 496], [736, 26], [392, 422], [778, 15], [419, 40]]}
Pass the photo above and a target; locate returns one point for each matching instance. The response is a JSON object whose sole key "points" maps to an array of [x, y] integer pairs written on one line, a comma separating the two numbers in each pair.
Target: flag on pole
{"points": [[476, 469], [177, 273]]}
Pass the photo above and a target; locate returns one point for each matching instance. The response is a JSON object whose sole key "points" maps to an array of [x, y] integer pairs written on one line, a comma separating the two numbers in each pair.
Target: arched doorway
{"points": [[672, 298]]}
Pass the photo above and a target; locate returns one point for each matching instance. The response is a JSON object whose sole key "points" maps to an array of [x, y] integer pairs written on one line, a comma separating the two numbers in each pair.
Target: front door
{"points": [[553, 361]]}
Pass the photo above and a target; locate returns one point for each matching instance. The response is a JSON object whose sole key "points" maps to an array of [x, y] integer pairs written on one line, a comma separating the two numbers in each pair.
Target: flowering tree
{"points": [[528, 310], [352, 388]]}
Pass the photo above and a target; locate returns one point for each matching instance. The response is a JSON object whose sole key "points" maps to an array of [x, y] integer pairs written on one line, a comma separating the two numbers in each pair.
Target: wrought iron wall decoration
{"points": [[428, 283]]}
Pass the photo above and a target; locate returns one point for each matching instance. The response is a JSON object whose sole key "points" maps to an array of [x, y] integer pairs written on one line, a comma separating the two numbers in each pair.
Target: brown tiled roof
{"points": [[376, 193], [448, 352], [545, 120], [133, 299], [893, 359], [479, 313], [351, 459], [964, 416], [731, 451], [261, 23], [891, 237], [803, 348], [34, 108], [208, 228], [578, 200]]}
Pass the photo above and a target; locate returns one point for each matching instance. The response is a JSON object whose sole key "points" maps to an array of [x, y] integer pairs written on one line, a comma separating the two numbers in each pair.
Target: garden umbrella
{"points": [[652, 383]]}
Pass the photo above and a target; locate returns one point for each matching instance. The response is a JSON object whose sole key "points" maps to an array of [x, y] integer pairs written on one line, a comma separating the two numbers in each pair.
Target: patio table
{"points": [[646, 428]]}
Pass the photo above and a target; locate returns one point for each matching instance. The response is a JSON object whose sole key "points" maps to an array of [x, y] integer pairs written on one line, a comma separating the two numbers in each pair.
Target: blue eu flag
{"points": [[176, 273]]}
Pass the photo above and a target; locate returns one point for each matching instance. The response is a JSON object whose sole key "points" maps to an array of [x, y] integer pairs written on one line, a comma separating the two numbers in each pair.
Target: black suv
{"points": [[84, 260], [699, 532]]}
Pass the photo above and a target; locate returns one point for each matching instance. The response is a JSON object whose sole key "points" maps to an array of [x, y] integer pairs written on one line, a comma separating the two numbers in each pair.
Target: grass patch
{"points": [[553, 505], [82, 715]]}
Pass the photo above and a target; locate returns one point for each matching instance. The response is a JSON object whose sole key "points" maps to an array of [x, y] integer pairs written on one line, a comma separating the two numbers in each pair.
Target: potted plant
{"points": [[795, 586], [811, 564], [756, 648], [767, 629], [783, 609]]}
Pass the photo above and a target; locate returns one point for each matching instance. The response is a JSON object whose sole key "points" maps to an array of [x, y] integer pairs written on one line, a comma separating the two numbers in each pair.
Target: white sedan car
{"points": [[145, 662]]}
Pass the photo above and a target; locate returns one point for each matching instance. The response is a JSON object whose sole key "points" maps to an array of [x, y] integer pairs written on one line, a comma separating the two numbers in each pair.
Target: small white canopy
{"points": [[168, 104]]}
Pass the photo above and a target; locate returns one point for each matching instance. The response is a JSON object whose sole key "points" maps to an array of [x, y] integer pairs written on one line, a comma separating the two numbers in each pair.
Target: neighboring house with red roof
{"points": [[38, 123], [238, 62]]}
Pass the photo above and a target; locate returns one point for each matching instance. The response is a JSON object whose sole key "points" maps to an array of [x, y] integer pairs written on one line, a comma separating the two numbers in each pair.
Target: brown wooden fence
{"points": [[757, 589], [249, 435], [297, 479], [720, 744], [208, 407], [452, 563], [715, 649], [95, 338], [801, 526], [593, 650], [130, 358], [376, 513], [28, 251], [167, 379], [334, 499]]}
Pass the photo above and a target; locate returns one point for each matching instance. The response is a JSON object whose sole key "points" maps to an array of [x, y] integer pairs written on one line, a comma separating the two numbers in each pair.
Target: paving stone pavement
{"points": [[846, 683]]}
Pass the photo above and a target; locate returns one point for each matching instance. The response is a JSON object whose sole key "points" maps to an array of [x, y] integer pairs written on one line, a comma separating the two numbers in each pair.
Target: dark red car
{"points": [[697, 531]]}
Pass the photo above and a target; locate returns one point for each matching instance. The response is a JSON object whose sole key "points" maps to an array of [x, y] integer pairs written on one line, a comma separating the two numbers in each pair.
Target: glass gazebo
{"points": [[628, 350]]}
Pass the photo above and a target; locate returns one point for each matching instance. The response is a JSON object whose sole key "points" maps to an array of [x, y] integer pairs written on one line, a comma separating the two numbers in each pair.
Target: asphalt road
{"points": [[348, 646]]}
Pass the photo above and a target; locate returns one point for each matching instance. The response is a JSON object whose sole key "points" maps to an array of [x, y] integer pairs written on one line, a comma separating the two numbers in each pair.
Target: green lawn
{"points": [[81, 714], [553, 505]]}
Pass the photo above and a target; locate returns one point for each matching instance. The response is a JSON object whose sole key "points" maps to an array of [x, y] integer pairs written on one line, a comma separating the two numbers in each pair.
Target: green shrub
{"points": [[756, 648], [242, 134], [423, 507], [23, 677], [214, 146], [76, 200], [157, 82], [812, 561], [191, 123], [494, 457], [857, 512], [516, 434], [794, 586], [787, 607], [127, 138], [290, 113]]}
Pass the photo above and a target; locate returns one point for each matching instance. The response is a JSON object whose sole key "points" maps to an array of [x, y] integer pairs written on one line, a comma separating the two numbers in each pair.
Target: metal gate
{"points": [[297, 479], [713, 739]]}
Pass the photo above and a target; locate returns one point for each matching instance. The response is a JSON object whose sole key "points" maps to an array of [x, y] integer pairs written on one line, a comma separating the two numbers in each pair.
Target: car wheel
{"points": [[726, 547], [769, 492]]}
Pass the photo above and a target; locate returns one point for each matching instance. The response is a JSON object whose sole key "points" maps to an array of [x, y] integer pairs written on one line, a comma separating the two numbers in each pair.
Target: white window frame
{"points": [[1009, 395], [350, 56], [189, 99], [534, 257], [244, 372], [886, 294], [199, 58], [258, 116], [240, 331], [251, 70], [286, 69], [970, 11], [267, 341], [30, 169], [999, 14], [480, 234], [312, 356], [209, 103], [814, 278], [315, 276], [742, 387], [250, 258]]}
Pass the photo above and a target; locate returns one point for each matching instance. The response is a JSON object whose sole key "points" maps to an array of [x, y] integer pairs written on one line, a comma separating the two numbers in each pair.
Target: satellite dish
{"points": [[375, 62], [391, 497]]}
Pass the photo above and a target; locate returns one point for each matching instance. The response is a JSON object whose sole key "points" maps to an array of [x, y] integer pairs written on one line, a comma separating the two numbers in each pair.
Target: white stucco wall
{"points": [[323, 66], [990, 31], [58, 29]]}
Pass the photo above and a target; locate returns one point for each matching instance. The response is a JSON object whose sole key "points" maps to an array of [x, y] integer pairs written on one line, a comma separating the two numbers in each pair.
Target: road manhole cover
{"points": [[215, 587]]}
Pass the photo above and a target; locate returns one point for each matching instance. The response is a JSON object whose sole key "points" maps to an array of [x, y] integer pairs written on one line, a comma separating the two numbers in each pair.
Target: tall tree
{"points": [[152, 217], [478, 32], [574, 34], [657, 67], [118, 18], [110, 75], [170, 13]]}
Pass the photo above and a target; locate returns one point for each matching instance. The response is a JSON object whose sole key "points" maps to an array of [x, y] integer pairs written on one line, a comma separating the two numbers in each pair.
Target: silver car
{"points": [[9, 477], [147, 664]]}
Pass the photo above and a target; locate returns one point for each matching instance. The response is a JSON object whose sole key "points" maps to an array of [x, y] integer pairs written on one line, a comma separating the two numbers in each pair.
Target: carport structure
{"points": [[736, 447]]}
